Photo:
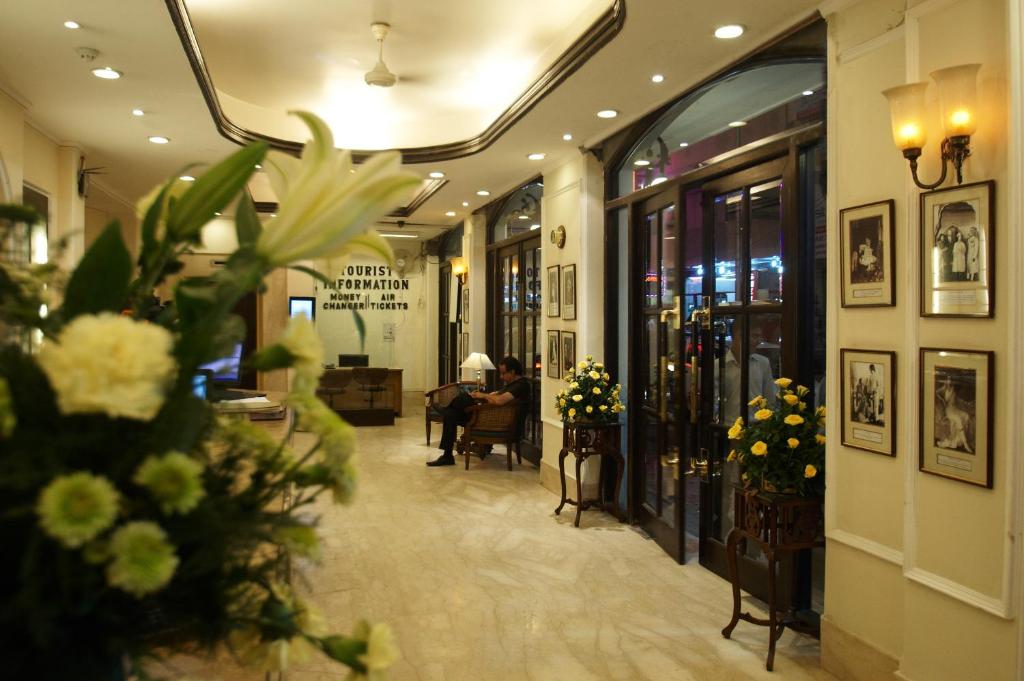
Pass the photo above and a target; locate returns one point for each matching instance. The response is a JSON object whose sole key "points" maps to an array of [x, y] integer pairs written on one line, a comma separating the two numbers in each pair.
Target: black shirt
{"points": [[519, 388]]}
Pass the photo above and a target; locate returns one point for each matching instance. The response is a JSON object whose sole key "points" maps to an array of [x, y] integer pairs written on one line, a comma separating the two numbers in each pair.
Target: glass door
{"points": [[747, 336]]}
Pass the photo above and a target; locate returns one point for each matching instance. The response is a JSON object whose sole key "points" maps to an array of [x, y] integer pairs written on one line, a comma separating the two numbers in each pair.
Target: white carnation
{"points": [[301, 340], [109, 364]]}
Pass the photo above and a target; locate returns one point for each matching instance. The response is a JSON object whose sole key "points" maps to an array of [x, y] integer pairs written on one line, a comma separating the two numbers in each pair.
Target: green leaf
{"points": [[16, 213], [151, 220], [247, 223], [361, 328], [345, 650], [214, 190], [100, 282], [272, 357], [322, 278]]}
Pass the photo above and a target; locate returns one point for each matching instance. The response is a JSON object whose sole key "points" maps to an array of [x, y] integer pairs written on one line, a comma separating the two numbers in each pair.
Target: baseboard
{"points": [[850, 658], [551, 481]]}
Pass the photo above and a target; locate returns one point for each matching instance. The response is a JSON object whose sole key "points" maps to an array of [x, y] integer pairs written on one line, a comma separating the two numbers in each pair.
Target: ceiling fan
{"points": [[380, 75]]}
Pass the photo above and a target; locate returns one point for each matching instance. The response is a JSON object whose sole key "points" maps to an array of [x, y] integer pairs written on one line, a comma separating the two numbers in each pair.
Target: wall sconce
{"points": [[958, 95], [460, 269]]}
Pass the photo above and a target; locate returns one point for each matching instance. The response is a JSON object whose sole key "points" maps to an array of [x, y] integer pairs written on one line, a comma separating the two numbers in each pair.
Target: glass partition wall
{"points": [[720, 209]]}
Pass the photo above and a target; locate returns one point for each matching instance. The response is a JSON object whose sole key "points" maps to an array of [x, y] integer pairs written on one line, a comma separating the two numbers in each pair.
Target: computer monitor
{"points": [[353, 360], [226, 371], [302, 305]]}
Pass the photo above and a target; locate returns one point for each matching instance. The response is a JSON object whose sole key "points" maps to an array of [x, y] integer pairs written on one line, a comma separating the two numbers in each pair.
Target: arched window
{"points": [[521, 213], [751, 104]]}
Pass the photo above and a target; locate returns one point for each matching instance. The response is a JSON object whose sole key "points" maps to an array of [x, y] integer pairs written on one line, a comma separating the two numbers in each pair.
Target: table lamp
{"points": [[478, 361]]}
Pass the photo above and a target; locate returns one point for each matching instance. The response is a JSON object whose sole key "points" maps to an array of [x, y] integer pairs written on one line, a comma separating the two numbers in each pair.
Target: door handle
{"points": [[676, 313]]}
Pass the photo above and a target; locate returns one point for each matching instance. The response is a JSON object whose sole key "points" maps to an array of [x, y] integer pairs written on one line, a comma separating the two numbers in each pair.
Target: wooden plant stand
{"points": [[585, 440], [779, 523]]}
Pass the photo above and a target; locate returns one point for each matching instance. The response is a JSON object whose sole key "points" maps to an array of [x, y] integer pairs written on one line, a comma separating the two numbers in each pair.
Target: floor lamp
{"points": [[480, 362]]}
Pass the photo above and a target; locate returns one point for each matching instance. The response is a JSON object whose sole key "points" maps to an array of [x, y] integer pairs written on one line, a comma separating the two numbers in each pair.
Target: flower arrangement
{"points": [[138, 522], [590, 395], [782, 449]]}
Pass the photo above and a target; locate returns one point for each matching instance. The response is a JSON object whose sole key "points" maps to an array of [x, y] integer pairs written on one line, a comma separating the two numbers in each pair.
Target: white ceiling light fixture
{"points": [[683, 145], [437, 174], [537, 156], [607, 113], [737, 124], [658, 180], [259, 167], [641, 162], [72, 24], [380, 75], [465, 204], [450, 213], [138, 112], [808, 93], [567, 137], [159, 139], [400, 236], [483, 192], [524, 216], [107, 73], [729, 31], [187, 178], [534, 226], [657, 78]]}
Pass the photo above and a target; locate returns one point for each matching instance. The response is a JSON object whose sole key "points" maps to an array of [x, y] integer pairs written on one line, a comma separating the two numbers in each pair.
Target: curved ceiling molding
{"points": [[606, 27]]}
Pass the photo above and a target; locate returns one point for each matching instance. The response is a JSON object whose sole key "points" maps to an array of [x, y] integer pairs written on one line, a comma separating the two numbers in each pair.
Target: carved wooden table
{"points": [[779, 523], [585, 440]]}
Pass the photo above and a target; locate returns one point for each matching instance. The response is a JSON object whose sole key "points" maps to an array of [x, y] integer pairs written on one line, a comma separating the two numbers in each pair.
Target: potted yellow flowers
{"points": [[590, 395], [782, 448]]}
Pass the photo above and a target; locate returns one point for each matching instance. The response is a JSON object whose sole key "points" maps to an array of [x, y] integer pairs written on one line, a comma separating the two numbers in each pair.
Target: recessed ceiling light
{"points": [[450, 213], [187, 178], [437, 174], [808, 93], [72, 24], [138, 112], [641, 162], [159, 139], [273, 215], [729, 31], [532, 227], [217, 213], [107, 73], [684, 144], [607, 113], [400, 236], [465, 204], [658, 180], [657, 78], [567, 137], [524, 216], [536, 156], [483, 192], [737, 124]]}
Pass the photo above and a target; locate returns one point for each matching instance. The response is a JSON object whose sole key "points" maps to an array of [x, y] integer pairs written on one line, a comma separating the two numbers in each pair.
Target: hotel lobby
{"points": [[704, 316]]}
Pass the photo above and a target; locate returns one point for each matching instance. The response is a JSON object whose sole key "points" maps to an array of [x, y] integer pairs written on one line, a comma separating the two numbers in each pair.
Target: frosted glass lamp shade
{"points": [[958, 99], [478, 361], [906, 106]]}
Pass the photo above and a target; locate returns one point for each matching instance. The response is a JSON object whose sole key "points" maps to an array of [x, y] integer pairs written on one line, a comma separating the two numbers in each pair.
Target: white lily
{"points": [[324, 209]]}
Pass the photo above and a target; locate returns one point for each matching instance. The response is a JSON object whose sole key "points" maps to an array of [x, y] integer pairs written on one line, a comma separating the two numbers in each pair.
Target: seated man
{"points": [[455, 414]]}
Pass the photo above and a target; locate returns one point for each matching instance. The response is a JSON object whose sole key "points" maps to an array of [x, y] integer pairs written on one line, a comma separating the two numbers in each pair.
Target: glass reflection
{"points": [[766, 242], [728, 214]]}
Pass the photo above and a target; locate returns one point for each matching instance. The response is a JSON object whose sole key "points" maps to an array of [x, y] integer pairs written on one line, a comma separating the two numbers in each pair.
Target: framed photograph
{"points": [[957, 243], [465, 348], [465, 305], [569, 292], [568, 351], [956, 414], [868, 380], [554, 284], [868, 248], [554, 345]]}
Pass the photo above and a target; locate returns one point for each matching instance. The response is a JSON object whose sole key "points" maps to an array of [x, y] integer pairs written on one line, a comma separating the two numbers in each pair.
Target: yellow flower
{"points": [[783, 382], [820, 439], [606, 376], [801, 406], [738, 421], [791, 399], [793, 443], [603, 407], [758, 401], [736, 432], [793, 420], [582, 365], [561, 403], [820, 411], [763, 414], [810, 471], [596, 391], [759, 448], [732, 455], [577, 398], [590, 410], [802, 390], [594, 375], [617, 408], [572, 412]]}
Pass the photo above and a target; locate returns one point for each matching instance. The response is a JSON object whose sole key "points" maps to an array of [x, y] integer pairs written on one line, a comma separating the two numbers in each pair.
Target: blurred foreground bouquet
{"points": [[137, 522], [590, 396], [782, 449]]}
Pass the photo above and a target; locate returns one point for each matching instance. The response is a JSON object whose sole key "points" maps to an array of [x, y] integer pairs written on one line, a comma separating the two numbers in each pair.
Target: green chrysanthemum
{"points": [[75, 508], [300, 540], [8, 419], [143, 560], [174, 480]]}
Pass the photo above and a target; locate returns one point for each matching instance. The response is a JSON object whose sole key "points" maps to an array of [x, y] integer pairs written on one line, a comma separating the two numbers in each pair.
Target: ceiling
{"points": [[274, 63]]}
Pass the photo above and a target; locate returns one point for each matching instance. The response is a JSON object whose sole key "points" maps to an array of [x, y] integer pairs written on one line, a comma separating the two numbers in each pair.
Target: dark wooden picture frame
{"points": [[554, 285], [569, 292], [867, 262], [554, 355], [568, 351], [948, 214], [860, 425], [950, 380]]}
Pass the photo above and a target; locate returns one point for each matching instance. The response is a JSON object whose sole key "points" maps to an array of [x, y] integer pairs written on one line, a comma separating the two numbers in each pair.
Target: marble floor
{"points": [[480, 580]]}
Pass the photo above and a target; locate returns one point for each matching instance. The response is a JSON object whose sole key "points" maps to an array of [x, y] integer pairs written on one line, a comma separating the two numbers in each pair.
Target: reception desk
{"points": [[354, 399]]}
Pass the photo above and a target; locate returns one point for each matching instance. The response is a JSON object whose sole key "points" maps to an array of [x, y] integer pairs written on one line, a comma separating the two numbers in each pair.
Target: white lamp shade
{"points": [[906, 105], [958, 98], [478, 361]]}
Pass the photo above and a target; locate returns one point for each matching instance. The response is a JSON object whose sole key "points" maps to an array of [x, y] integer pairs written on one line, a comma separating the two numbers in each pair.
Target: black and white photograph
{"points": [[554, 345], [568, 351], [956, 414], [868, 244], [554, 288], [867, 390], [956, 258], [569, 292]]}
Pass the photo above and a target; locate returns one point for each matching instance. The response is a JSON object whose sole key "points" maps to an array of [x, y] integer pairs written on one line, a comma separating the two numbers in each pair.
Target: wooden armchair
{"points": [[492, 425], [440, 397]]}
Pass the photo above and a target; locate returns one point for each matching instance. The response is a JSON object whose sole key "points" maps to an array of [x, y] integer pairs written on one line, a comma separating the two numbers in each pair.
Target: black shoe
{"points": [[445, 459]]}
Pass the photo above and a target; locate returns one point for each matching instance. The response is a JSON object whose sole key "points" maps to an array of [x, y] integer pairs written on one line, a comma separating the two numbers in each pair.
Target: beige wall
{"points": [[919, 567]]}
